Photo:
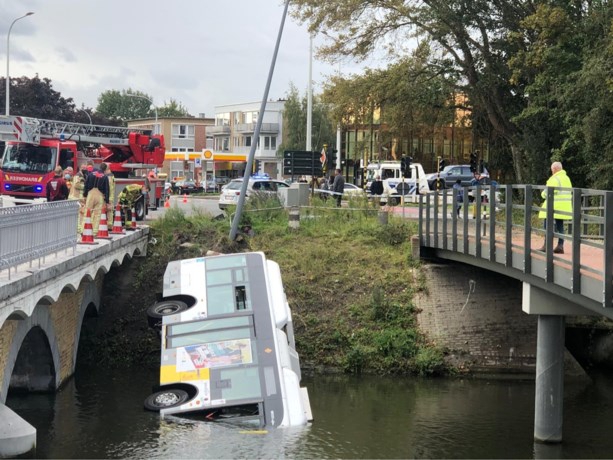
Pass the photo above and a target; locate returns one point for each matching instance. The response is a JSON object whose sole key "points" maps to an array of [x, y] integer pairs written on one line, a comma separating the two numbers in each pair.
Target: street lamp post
{"points": [[8, 81], [154, 108]]}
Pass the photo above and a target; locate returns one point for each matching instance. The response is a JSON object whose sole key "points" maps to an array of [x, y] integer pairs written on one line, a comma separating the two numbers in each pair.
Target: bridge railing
{"points": [[504, 227], [31, 232]]}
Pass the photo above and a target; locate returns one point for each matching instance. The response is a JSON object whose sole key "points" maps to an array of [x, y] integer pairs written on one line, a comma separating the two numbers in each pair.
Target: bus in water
{"points": [[227, 342]]}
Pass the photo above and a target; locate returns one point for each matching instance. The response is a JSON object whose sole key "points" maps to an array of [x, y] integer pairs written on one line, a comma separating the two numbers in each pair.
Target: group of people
{"points": [[94, 187], [336, 184]]}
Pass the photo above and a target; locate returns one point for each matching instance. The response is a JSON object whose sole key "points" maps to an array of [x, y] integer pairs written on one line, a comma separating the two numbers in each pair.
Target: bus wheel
{"points": [[394, 201], [164, 399], [164, 308]]}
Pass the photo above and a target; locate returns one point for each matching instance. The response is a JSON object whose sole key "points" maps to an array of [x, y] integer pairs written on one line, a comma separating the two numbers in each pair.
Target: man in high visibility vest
{"points": [[562, 201]]}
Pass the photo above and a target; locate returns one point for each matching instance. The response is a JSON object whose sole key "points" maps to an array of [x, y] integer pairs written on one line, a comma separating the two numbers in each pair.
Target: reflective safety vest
{"points": [[562, 199]]}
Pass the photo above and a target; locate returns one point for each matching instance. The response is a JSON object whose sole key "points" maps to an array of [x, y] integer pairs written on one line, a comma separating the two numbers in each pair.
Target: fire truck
{"points": [[35, 147]]}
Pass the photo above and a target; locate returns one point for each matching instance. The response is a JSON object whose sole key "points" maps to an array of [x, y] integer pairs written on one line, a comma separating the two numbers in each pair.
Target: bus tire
{"points": [[394, 201], [158, 310], [165, 399]]}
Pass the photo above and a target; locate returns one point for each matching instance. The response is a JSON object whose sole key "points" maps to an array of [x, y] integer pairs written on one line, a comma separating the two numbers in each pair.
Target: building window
{"points": [[247, 141], [182, 149], [183, 131], [222, 119], [251, 117], [270, 142]]}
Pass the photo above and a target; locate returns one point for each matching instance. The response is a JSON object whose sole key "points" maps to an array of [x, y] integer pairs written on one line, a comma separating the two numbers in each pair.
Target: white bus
{"points": [[227, 342]]}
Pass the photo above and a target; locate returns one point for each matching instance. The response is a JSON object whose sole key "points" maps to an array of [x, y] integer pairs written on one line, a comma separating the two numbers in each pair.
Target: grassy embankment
{"points": [[349, 281]]}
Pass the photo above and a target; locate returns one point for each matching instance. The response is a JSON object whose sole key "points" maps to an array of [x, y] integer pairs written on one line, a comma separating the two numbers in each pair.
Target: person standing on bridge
{"points": [[562, 203], [96, 194], [57, 190]]}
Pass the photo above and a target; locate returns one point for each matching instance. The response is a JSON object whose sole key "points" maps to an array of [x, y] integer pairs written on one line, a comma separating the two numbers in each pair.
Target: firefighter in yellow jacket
{"points": [[562, 202]]}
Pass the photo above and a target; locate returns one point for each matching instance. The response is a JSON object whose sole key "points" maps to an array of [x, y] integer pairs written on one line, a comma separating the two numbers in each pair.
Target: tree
{"points": [[124, 105], [35, 97], [470, 36], [295, 117], [173, 109]]}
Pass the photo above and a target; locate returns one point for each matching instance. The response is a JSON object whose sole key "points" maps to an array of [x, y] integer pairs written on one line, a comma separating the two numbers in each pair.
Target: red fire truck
{"points": [[35, 147]]}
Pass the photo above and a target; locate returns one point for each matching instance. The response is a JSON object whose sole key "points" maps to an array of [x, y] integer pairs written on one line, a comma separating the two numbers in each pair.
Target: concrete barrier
{"points": [[17, 437]]}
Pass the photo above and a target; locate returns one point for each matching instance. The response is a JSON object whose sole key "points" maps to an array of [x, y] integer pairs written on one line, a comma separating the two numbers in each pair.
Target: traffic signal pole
{"points": [[256, 135]]}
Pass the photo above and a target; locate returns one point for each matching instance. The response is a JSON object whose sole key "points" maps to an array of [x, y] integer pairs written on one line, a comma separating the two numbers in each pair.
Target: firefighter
{"points": [[128, 198], [76, 193], [96, 194]]}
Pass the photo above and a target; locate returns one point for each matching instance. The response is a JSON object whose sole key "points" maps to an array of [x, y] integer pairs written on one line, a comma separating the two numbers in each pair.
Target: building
{"points": [[186, 139], [233, 137]]}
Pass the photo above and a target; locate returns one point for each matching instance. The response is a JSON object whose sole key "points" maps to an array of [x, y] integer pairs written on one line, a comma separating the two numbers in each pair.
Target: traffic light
{"points": [[441, 164], [256, 166], [331, 158], [407, 170], [473, 162]]}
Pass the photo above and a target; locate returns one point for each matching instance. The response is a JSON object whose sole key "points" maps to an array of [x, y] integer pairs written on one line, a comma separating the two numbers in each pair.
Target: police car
{"points": [[257, 184]]}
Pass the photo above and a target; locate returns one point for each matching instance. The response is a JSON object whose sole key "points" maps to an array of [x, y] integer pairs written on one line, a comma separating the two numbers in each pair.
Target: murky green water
{"points": [[99, 414]]}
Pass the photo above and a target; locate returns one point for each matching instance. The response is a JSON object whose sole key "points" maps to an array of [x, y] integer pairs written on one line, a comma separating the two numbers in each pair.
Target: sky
{"points": [[201, 53]]}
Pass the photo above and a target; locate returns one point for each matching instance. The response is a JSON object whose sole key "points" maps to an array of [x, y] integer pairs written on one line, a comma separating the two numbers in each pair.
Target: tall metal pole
{"points": [[309, 127], [256, 134], [8, 77]]}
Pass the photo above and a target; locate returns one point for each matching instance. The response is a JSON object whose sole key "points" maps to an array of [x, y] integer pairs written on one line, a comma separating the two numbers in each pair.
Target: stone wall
{"points": [[477, 316]]}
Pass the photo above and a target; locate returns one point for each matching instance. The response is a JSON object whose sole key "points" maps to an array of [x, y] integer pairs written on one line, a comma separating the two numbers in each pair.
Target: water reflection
{"points": [[99, 414]]}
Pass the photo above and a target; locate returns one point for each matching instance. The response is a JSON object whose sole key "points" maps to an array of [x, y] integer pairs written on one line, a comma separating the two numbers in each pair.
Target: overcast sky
{"points": [[202, 53]]}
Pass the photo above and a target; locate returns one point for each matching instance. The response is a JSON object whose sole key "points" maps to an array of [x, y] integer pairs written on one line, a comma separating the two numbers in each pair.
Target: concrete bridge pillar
{"points": [[549, 385]]}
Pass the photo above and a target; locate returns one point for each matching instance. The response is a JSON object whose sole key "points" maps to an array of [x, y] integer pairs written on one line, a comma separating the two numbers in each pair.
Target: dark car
{"points": [[188, 186], [451, 173]]}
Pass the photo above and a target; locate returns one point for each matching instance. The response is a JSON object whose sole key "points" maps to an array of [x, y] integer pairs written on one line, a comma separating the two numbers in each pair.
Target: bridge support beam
{"points": [[548, 407]]}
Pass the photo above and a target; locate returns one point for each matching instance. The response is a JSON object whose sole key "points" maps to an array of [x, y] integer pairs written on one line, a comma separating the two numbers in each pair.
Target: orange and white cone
{"points": [[117, 227], [103, 227], [167, 202], [87, 237], [133, 226], [185, 198]]}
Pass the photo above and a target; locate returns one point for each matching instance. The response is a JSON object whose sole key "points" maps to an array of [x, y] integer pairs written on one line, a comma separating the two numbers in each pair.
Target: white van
{"points": [[394, 185]]}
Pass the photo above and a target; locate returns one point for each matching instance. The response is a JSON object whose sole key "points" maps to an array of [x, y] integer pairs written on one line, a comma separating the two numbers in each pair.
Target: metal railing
{"points": [[504, 227], [31, 232]]}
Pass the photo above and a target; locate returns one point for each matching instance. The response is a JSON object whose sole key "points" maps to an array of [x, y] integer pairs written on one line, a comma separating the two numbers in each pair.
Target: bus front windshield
{"points": [[27, 158]]}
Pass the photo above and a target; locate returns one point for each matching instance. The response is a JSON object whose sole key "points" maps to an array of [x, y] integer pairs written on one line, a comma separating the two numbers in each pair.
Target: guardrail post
{"points": [[508, 244], [576, 242], [528, 229]]}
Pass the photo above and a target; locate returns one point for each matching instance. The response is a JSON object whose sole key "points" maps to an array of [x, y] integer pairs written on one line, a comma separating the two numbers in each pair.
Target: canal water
{"points": [[99, 414]]}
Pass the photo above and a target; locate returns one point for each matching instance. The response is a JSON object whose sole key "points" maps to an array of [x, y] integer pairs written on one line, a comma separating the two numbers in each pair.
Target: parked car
{"points": [[231, 192], [451, 173], [188, 186], [349, 190]]}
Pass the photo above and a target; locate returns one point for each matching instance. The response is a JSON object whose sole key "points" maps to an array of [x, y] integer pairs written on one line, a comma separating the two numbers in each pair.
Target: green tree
{"points": [[124, 105], [173, 109], [295, 121], [35, 97]]}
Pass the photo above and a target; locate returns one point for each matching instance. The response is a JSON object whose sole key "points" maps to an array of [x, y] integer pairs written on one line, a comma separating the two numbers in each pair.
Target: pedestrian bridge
{"points": [[505, 238]]}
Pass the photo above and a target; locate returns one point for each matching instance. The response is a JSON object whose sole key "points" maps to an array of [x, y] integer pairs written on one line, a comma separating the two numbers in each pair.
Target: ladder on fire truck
{"points": [[32, 130]]}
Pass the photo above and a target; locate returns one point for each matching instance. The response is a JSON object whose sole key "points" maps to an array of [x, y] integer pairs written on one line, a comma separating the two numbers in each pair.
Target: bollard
{"points": [[383, 217], [294, 218], [415, 247]]}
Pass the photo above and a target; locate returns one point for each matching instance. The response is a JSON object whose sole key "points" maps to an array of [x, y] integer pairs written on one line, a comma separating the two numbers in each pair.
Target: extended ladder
{"points": [[32, 130]]}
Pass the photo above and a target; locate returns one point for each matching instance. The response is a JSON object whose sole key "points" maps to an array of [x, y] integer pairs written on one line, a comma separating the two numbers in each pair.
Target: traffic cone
{"points": [[133, 226], [88, 231], [185, 198], [167, 202], [117, 226], [103, 227]]}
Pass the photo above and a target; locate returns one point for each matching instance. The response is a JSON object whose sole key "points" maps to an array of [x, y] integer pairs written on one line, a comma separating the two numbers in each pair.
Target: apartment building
{"points": [[234, 135]]}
